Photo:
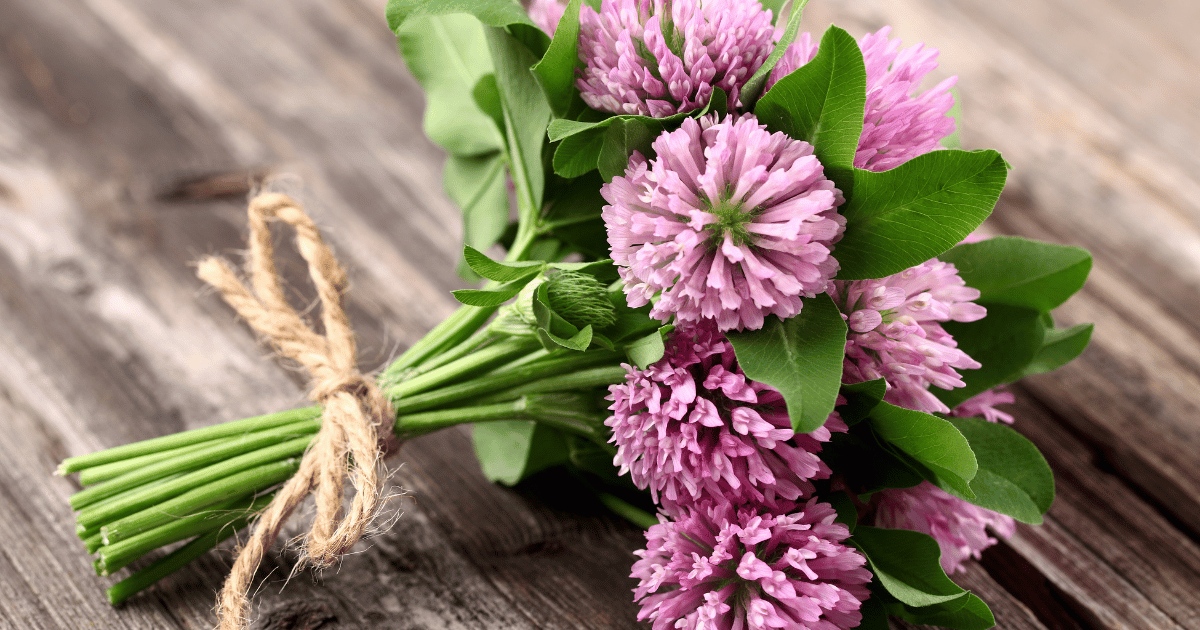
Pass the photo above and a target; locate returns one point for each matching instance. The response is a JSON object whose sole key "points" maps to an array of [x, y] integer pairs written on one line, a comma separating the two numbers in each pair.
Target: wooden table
{"points": [[128, 131]]}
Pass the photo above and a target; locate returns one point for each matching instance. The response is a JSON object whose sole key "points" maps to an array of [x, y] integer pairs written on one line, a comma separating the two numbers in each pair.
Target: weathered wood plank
{"points": [[1139, 66], [1104, 549], [105, 104], [561, 560]]}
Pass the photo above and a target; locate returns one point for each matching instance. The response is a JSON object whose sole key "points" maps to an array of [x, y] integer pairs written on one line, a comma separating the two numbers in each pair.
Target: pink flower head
{"points": [[660, 57], [730, 222], [984, 404], [546, 14], [959, 528], [895, 334], [691, 426], [900, 124], [717, 567]]}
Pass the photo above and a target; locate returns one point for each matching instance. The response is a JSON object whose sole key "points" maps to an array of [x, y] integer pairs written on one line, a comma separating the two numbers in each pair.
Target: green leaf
{"points": [[973, 614], [1004, 342], [490, 12], [499, 271], [486, 298], [486, 95], [918, 210], [604, 270], [646, 350], [1059, 347], [511, 450], [1000, 495], [775, 6], [526, 114], [448, 56], [718, 103], [874, 615], [861, 398], [752, 89], [866, 465], [498, 13], [561, 128], [823, 103], [608, 143], [1021, 272], [556, 70], [931, 441], [847, 512], [801, 357], [579, 153], [1013, 478], [621, 139], [574, 214], [906, 563], [578, 342], [476, 185], [634, 323]]}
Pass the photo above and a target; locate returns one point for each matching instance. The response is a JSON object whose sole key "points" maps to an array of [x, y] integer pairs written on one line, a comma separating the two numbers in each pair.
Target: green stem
{"points": [[546, 227], [187, 438], [85, 532], [460, 325], [88, 529], [220, 451], [477, 339], [627, 510], [579, 380], [574, 412], [173, 562], [239, 485], [148, 497], [421, 423], [116, 556], [502, 379], [93, 542], [566, 412], [104, 472], [467, 320], [484, 359]]}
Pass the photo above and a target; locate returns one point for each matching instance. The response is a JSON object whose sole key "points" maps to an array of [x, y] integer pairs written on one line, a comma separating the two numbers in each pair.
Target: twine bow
{"points": [[354, 408]]}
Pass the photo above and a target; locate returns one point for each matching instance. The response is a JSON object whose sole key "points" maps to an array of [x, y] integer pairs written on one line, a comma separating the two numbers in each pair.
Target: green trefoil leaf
{"points": [[801, 357]]}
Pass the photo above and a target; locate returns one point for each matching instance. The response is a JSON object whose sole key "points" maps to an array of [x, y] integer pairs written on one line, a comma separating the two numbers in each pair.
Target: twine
{"points": [[354, 408]]}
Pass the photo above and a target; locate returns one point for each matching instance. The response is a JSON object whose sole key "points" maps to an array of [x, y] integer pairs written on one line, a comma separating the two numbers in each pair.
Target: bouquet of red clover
{"points": [[743, 303]]}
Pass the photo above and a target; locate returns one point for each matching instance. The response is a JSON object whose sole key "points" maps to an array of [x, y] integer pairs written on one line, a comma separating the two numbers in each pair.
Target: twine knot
{"points": [[355, 410]]}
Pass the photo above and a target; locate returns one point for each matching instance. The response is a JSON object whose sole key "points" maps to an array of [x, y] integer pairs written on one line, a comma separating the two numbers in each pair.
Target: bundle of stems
{"points": [[208, 483]]}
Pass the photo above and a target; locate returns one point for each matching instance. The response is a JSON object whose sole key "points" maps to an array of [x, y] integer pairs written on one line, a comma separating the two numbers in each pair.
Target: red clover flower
{"points": [[729, 222], [895, 334], [660, 57], [691, 427], [717, 567]]}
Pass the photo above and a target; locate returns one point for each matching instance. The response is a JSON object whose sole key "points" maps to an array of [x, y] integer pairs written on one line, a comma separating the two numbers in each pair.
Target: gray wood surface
{"points": [[131, 129]]}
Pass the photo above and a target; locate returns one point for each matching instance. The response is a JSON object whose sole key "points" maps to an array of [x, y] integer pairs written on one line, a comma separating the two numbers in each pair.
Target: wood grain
{"points": [[130, 129], [1113, 534]]}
